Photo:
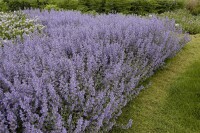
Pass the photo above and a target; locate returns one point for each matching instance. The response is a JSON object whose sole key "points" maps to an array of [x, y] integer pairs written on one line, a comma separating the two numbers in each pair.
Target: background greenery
{"points": [[140, 7], [190, 23]]}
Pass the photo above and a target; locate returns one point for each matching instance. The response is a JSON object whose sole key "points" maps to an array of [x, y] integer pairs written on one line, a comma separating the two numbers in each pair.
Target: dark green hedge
{"points": [[12, 5], [140, 7]]}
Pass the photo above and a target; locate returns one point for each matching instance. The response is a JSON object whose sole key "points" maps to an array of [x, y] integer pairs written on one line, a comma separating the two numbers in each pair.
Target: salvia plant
{"points": [[15, 24], [78, 76]]}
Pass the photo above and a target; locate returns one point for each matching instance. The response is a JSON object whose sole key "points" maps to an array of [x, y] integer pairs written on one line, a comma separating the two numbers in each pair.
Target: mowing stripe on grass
{"points": [[172, 103]]}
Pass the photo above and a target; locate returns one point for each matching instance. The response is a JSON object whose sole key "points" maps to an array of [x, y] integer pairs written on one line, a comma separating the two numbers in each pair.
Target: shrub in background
{"points": [[143, 7], [14, 5], [67, 4], [117, 6], [168, 5], [15, 24], [185, 19], [51, 6], [193, 6], [3, 6], [25, 4], [140, 7], [80, 74]]}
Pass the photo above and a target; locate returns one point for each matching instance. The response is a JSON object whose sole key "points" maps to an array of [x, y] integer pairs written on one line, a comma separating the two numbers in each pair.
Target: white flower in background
{"points": [[150, 15], [13, 25], [177, 25]]}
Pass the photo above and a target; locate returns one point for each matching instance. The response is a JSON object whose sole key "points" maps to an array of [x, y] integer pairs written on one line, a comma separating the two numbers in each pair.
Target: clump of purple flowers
{"points": [[80, 74]]}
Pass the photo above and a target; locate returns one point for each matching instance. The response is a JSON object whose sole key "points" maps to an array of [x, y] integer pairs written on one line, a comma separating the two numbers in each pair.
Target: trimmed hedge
{"points": [[140, 7]]}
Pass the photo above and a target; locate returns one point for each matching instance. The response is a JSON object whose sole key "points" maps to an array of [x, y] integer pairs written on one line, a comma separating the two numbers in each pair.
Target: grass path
{"points": [[172, 103]]}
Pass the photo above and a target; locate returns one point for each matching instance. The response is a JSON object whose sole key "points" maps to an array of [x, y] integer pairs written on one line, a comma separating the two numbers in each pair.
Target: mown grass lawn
{"points": [[172, 103]]}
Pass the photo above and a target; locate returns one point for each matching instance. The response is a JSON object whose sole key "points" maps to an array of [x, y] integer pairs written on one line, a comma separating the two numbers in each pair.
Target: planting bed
{"points": [[83, 69]]}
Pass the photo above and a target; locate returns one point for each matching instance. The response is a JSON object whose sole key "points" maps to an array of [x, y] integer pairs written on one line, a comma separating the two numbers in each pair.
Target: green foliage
{"points": [[117, 6], [143, 7], [14, 5], [168, 5], [15, 24], [140, 7], [92, 12], [3, 6], [67, 4], [196, 10], [193, 6], [51, 6], [187, 21]]}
